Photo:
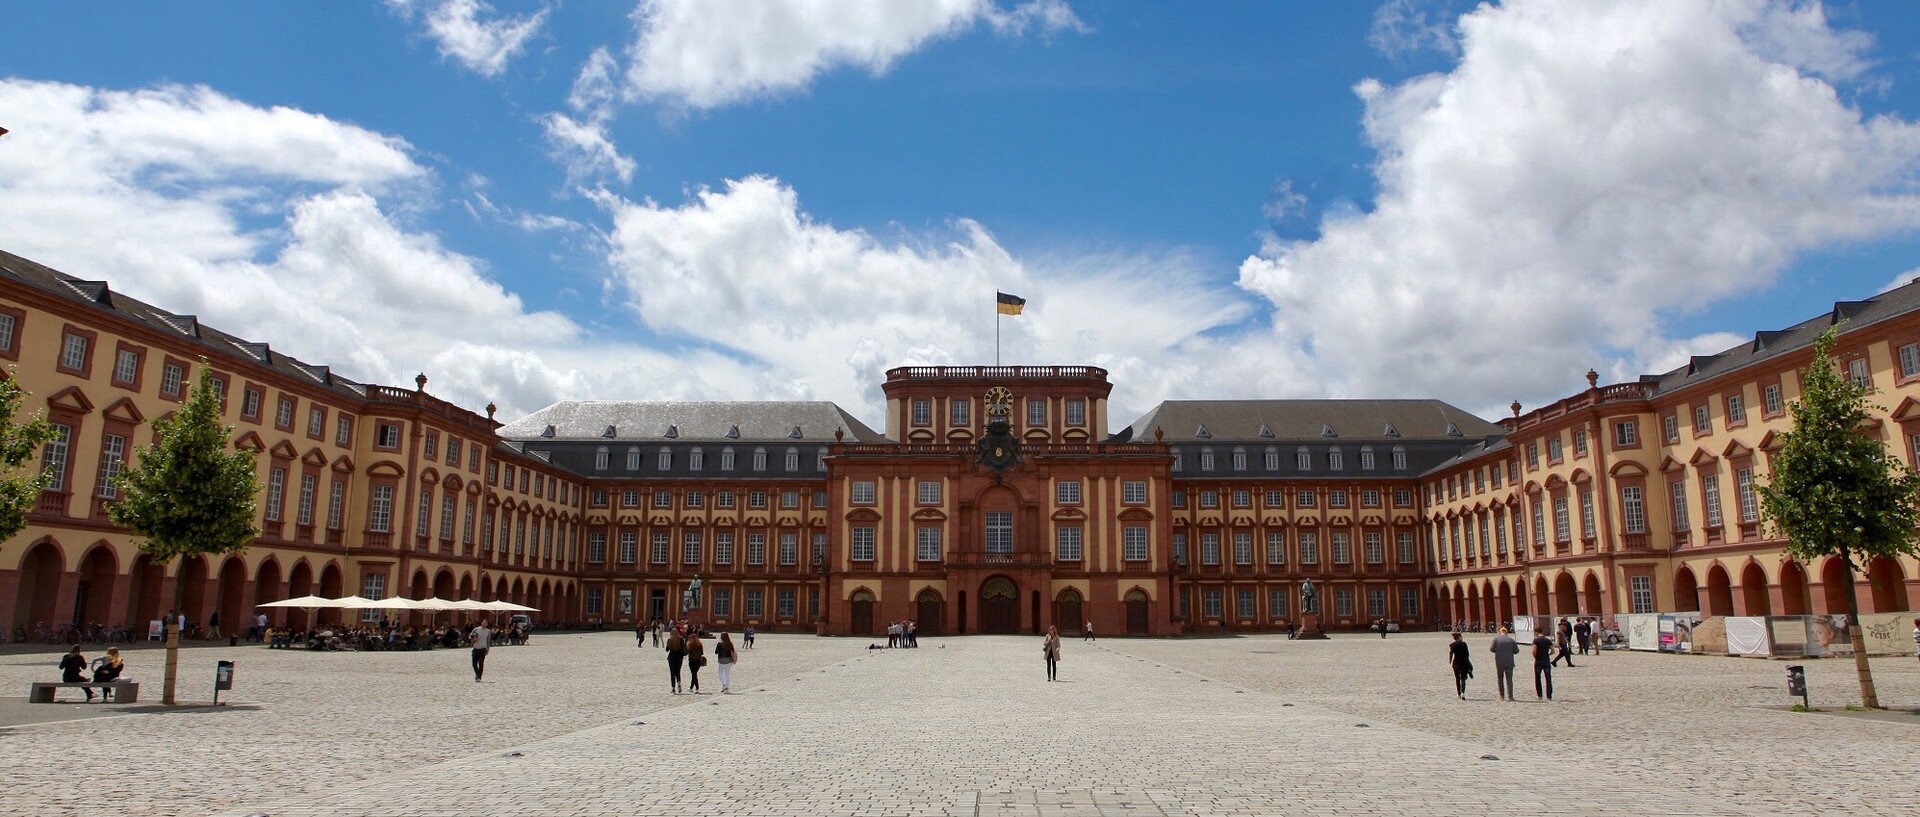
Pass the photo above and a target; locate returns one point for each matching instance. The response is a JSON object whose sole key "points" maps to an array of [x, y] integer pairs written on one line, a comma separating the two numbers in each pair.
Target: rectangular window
{"points": [[387, 435], [1736, 409], [1376, 603], [862, 544], [1343, 603], [1579, 447], [1210, 603], [1066, 542], [999, 531], [1771, 397], [1243, 499], [250, 403], [1562, 523], [789, 499], [1369, 498], [1336, 460], [1366, 459], [657, 548], [1710, 494], [373, 587], [1306, 499], [1399, 460], [1133, 544], [1533, 456], [594, 601], [1342, 549], [629, 499], [1242, 548], [1209, 499], [922, 411], [789, 548], [1276, 547], [1239, 460], [1036, 411], [446, 517], [53, 458], [1309, 548], [926, 544], [863, 492], [9, 326], [1640, 593], [1179, 498], [722, 602], [1858, 372], [1633, 510], [283, 418], [73, 352], [1680, 521], [380, 510], [1302, 460], [1337, 498], [172, 376], [276, 492], [957, 413], [927, 491], [1376, 547], [756, 549], [783, 601], [1539, 522], [630, 548], [1206, 459], [1067, 492], [426, 511], [1243, 603], [1702, 420], [336, 503], [1209, 548], [756, 602], [663, 499], [1626, 434], [343, 430], [1402, 498], [1133, 492], [1409, 603], [596, 546], [1076, 411], [723, 547], [1749, 498], [113, 455], [1586, 515], [1277, 602], [690, 547], [1555, 452], [1403, 542], [126, 365], [309, 488]]}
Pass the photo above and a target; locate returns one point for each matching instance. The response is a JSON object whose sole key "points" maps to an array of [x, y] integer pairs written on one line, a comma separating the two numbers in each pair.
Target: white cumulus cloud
{"points": [[468, 32]]}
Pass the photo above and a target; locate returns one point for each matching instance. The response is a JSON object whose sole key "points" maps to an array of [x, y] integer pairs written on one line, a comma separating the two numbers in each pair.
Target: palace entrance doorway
{"points": [[999, 607]]}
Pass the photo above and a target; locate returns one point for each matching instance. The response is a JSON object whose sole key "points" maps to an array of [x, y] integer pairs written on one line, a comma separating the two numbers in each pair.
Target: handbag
{"points": [[699, 660]]}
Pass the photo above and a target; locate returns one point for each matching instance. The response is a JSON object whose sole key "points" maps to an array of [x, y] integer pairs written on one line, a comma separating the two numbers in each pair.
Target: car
{"points": [[1392, 626], [521, 620]]}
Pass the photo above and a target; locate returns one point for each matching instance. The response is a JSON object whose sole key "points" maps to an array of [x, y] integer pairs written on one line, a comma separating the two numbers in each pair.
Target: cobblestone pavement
{"points": [[969, 726]]}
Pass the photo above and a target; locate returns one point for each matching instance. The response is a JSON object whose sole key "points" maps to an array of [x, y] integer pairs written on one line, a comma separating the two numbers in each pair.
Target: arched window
{"points": [[726, 459], [600, 458], [696, 460], [759, 459], [793, 460], [633, 458]]}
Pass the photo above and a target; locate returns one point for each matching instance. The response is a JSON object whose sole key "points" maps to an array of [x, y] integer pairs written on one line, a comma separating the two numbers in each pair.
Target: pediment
{"points": [[1581, 476], [928, 515], [1702, 459], [1136, 515], [1670, 465], [1735, 450], [343, 464], [960, 435], [1036, 435], [1555, 481], [250, 442], [1069, 515], [430, 474], [920, 435], [314, 457], [70, 398], [1909, 409], [855, 515], [124, 410], [386, 468], [1627, 468], [1074, 435], [285, 451], [1771, 442]]}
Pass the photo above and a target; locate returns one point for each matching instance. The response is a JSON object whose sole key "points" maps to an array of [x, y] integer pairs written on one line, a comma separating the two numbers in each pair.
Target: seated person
{"points": [[73, 667], [108, 668]]}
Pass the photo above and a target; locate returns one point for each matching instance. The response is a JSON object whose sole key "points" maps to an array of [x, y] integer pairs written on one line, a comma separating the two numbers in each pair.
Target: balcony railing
{"points": [[992, 372], [1000, 560]]}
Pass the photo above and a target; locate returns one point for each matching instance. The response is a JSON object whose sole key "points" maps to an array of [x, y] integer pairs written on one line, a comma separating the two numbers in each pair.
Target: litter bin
{"points": [[222, 679]]}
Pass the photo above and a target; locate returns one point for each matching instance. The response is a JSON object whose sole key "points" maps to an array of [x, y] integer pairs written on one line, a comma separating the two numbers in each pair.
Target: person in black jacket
{"points": [[1462, 665], [73, 668], [1542, 666]]}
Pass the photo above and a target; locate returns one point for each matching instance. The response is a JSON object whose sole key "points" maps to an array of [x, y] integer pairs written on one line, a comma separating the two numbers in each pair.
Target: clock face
{"points": [[999, 401]]}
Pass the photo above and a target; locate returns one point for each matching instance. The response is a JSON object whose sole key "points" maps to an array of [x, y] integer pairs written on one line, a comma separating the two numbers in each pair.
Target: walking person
{"points": [[726, 656], [676, 654], [1583, 633], [480, 639], [1086, 633], [1462, 665], [1051, 648], [1542, 666], [747, 638], [1565, 643], [1504, 651], [696, 658], [73, 668], [1916, 637]]}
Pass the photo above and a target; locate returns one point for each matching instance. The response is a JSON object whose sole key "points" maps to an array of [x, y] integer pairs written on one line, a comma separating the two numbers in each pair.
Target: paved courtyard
{"points": [[583, 724]]}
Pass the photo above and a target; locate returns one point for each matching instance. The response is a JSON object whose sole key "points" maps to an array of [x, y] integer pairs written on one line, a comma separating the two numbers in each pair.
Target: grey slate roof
{"points": [[1186, 421], [1773, 343], [719, 421]]}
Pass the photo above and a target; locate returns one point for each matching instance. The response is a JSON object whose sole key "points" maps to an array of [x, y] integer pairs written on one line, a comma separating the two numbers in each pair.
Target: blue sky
{"points": [[735, 199]]}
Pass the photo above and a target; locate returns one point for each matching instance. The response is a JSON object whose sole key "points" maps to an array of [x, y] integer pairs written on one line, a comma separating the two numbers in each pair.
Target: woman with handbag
{"points": [[726, 656], [1051, 648], [676, 653], [696, 658]]}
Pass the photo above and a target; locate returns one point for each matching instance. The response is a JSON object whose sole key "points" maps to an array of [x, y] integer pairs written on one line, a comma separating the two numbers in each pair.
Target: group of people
{"points": [[74, 669], [686, 648], [1547, 653], [903, 634]]}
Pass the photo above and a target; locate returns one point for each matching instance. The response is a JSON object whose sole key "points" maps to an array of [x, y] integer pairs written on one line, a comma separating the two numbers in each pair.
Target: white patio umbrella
{"points": [[394, 603], [433, 604], [347, 602], [467, 604], [303, 602], [510, 607]]}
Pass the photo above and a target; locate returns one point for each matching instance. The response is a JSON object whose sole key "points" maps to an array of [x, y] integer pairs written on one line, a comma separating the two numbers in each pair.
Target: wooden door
{"points": [[999, 607], [1136, 613], [863, 616], [930, 608]]}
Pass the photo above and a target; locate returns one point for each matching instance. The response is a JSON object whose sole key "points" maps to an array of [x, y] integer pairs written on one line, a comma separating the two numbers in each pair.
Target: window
{"points": [[1555, 451], [172, 375], [783, 601], [250, 403], [1402, 498], [343, 430], [1586, 514], [453, 451], [793, 460], [1736, 409], [336, 503], [1399, 458], [1179, 498], [380, 512], [1336, 461], [373, 587], [594, 599], [1342, 549], [723, 499], [1633, 510], [1343, 603], [726, 459], [1209, 548], [1276, 547], [723, 548], [113, 452], [1066, 541], [863, 492], [1409, 603], [1625, 434], [283, 418], [1909, 355], [999, 531], [1067, 492], [1243, 499], [1533, 456], [1376, 547], [657, 548], [446, 517], [756, 549], [1376, 602], [690, 547], [665, 461], [1702, 420], [630, 546], [1206, 459], [1133, 544], [73, 352], [662, 499], [696, 460], [1562, 525], [387, 435], [1209, 499], [1179, 461], [1337, 498], [1749, 498], [1579, 442], [426, 511], [597, 546], [759, 459], [1710, 494], [53, 458], [9, 328], [1277, 602], [1239, 459], [1133, 492], [1680, 522], [1370, 498], [1770, 398], [1309, 548], [1210, 603], [276, 493], [1180, 548], [820, 461], [819, 499], [629, 499], [922, 411], [1274, 499], [1306, 499], [756, 499], [1242, 548], [1076, 411], [309, 486], [722, 602], [1640, 593], [1403, 542], [1856, 371], [756, 602], [126, 367], [1670, 428], [1303, 460], [957, 412], [789, 548], [926, 544], [1036, 411], [863, 544]]}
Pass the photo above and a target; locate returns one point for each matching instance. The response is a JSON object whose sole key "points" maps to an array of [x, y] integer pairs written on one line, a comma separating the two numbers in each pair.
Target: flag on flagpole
{"points": [[1009, 304]]}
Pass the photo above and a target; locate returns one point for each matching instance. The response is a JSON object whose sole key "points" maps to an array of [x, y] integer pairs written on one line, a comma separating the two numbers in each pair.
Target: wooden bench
{"points": [[124, 692]]}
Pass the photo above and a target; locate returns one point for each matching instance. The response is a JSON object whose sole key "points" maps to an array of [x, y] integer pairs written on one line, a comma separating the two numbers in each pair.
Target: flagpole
{"points": [[996, 329]]}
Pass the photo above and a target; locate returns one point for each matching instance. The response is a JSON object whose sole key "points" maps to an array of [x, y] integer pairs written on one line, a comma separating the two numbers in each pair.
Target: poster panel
{"points": [[1792, 637], [1643, 631], [1831, 637], [1888, 633], [1748, 636], [1523, 628]]}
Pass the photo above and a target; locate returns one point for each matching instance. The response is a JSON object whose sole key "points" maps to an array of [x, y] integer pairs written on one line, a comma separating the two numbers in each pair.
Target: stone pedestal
{"points": [[1310, 628]]}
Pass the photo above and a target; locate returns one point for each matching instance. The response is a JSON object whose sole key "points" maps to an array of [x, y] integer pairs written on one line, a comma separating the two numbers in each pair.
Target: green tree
{"points": [[189, 494], [1837, 491], [19, 442]]}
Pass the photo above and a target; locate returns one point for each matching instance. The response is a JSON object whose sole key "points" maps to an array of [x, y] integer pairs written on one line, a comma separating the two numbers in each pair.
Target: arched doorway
{"points": [[1565, 600], [233, 599], [330, 583], [1686, 591], [466, 587], [299, 583], [1136, 601], [1753, 591], [1068, 610], [1505, 592], [927, 613], [862, 612], [1889, 585], [143, 592], [1590, 596], [1793, 589], [93, 598], [266, 588], [1473, 605], [35, 602], [193, 599], [999, 607], [1719, 593], [1833, 585], [1540, 604], [1488, 606]]}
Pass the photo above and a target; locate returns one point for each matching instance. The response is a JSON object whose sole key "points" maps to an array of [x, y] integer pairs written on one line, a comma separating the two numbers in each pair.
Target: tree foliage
{"points": [[189, 493], [19, 442], [1836, 490]]}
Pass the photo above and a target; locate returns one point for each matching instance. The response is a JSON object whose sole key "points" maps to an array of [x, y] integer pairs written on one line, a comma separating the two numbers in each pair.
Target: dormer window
{"points": [[600, 458], [633, 458], [547, 432], [795, 433], [610, 433], [1203, 433], [1453, 430], [666, 459], [733, 433], [1326, 430], [1390, 431], [673, 432], [1266, 431]]}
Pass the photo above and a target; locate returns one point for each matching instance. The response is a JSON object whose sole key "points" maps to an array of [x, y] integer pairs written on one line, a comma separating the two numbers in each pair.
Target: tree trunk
{"points": [[1868, 697], [172, 630]]}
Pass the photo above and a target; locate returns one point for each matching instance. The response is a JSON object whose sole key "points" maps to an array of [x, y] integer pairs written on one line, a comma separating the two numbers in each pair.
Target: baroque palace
{"points": [[995, 499]]}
